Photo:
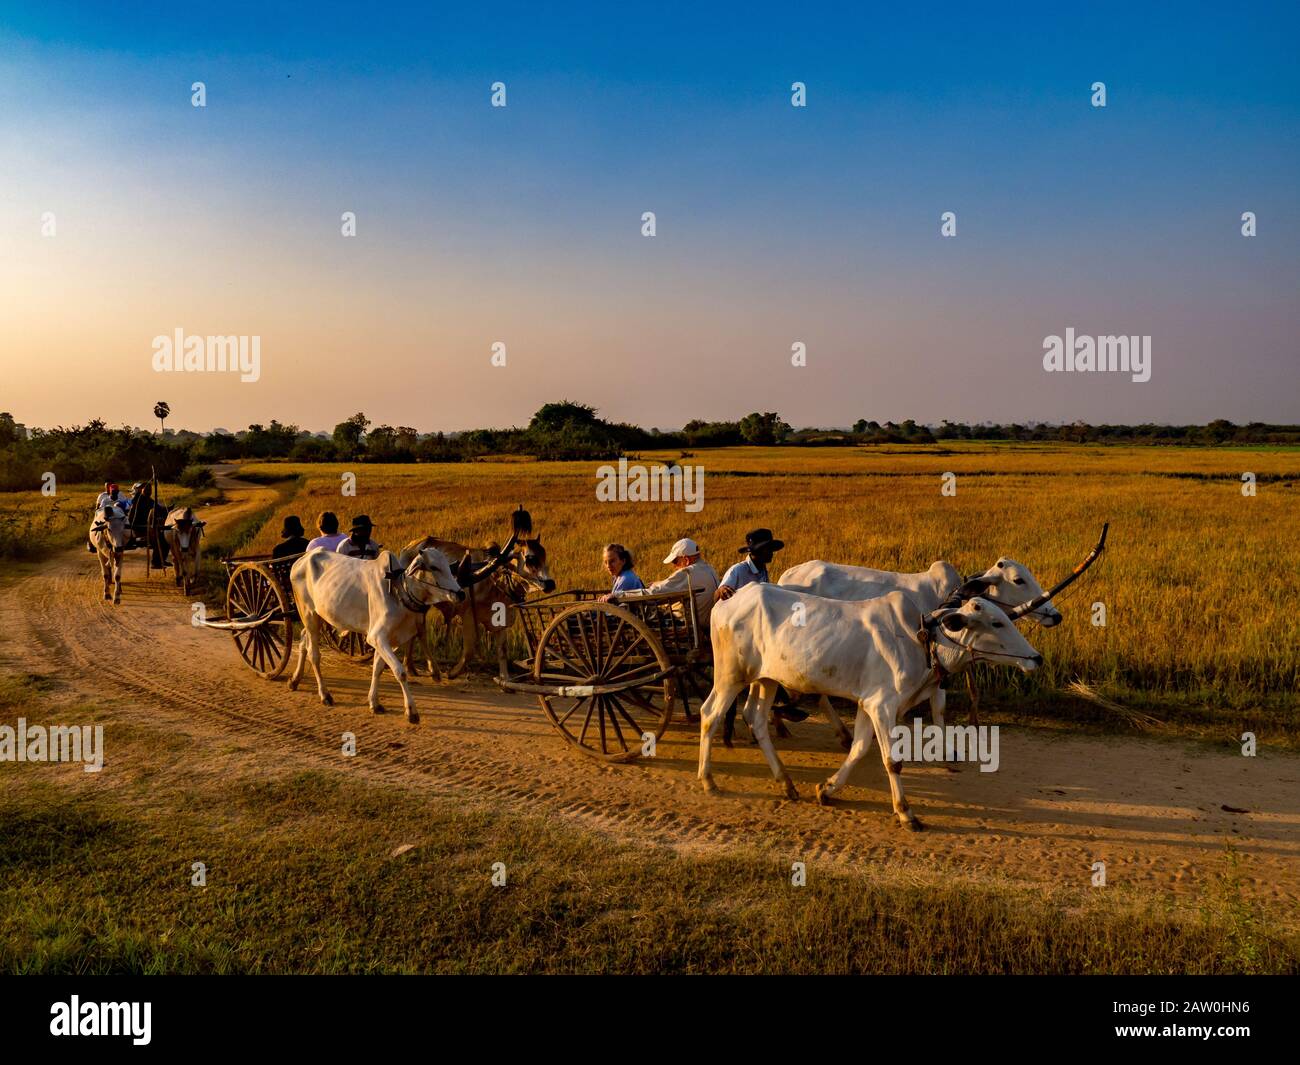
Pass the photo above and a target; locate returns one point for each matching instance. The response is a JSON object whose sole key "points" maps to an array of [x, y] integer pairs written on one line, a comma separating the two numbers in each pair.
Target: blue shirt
{"points": [[627, 581], [743, 573]]}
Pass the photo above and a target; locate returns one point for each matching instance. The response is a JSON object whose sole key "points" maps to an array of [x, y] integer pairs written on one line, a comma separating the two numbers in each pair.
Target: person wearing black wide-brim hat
{"points": [[293, 540], [358, 544], [759, 547]]}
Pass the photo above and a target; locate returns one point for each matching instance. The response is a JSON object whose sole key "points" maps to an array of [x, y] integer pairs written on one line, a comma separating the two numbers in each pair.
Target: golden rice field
{"points": [[1200, 583]]}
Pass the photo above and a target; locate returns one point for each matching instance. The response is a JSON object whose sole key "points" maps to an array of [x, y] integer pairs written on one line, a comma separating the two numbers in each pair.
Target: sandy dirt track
{"points": [[1150, 809]]}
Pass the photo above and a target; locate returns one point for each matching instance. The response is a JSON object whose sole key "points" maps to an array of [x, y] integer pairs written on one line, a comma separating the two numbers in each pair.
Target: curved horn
{"points": [[463, 568], [491, 565], [1028, 608]]}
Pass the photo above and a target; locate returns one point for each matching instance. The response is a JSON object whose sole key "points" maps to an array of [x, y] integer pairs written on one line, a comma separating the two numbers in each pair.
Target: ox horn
{"points": [[474, 576], [1028, 608], [463, 568]]}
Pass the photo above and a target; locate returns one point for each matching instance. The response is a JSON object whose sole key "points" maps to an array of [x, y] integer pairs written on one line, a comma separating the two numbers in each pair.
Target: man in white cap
{"points": [[689, 571]]}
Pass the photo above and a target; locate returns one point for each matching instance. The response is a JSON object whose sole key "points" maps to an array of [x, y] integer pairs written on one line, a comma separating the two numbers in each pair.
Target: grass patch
{"points": [[301, 877], [308, 884]]}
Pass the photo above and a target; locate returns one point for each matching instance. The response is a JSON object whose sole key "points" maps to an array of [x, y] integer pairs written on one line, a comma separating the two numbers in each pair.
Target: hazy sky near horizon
{"points": [[522, 224]]}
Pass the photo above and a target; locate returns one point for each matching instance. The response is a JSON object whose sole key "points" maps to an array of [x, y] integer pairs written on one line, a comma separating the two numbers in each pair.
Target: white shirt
{"points": [[347, 547], [700, 578], [106, 499]]}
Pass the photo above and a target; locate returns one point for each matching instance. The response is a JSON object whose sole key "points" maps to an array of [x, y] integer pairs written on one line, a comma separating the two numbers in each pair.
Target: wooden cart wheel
{"points": [[600, 644], [252, 594], [352, 644]]}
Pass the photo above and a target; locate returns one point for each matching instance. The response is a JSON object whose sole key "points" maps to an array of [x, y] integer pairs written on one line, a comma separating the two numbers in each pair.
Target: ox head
{"points": [[530, 564], [529, 556], [187, 529], [432, 571], [983, 629], [110, 529], [521, 524], [1010, 584]]}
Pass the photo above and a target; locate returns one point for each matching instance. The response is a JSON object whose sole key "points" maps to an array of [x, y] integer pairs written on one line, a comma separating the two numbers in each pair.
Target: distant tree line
{"points": [[558, 431]]}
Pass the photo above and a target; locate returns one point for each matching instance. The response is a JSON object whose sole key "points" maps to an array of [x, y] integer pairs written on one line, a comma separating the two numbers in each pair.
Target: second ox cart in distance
{"points": [[261, 612], [261, 615]]}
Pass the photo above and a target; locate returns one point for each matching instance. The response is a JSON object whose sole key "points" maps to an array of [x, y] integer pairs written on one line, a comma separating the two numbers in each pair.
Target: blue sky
{"points": [[775, 224]]}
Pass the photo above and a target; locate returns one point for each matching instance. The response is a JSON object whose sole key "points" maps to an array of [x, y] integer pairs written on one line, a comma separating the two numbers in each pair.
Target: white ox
{"points": [[373, 596], [182, 533], [867, 651], [109, 535], [1007, 582]]}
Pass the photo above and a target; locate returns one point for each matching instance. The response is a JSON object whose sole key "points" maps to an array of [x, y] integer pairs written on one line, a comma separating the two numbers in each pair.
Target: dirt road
{"points": [[1152, 810]]}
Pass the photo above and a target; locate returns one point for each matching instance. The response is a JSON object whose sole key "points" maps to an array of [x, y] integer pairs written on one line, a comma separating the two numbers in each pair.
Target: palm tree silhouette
{"points": [[160, 411]]}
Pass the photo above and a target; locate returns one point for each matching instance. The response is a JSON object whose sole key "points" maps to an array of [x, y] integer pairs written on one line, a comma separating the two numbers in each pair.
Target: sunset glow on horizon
{"points": [[522, 225]]}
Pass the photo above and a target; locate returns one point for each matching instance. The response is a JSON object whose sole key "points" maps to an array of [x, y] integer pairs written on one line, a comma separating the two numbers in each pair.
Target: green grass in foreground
{"points": [[301, 878]]}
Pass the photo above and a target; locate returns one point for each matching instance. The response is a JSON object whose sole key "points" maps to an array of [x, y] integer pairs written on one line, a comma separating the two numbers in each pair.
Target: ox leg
{"points": [[311, 650], [937, 703], [729, 732], [106, 569], [757, 710], [712, 710], [117, 577], [468, 642], [863, 734], [503, 667], [409, 658], [974, 699], [883, 718], [836, 722], [387, 656], [776, 724]]}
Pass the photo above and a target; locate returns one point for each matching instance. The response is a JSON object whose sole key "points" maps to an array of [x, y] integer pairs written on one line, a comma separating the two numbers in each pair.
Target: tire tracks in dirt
{"points": [[1150, 809]]}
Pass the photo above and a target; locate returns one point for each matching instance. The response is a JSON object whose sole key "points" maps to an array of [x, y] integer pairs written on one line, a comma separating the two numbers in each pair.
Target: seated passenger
{"points": [[330, 537], [292, 540], [689, 571], [112, 496], [759, 548], [618, 564], [358, 544]]}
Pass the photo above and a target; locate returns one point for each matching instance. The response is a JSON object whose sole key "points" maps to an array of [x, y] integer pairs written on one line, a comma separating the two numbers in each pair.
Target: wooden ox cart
{"points": [[609, 675], [261, 613]]}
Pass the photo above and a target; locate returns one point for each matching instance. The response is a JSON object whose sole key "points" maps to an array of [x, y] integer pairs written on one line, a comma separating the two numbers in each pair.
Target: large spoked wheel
{"points": [[266, 648], [621, 687], [351, 644]]}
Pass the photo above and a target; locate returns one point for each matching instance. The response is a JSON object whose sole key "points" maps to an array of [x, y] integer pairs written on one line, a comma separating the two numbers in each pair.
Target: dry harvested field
{"points": [[381, 861], [1198, 580]]}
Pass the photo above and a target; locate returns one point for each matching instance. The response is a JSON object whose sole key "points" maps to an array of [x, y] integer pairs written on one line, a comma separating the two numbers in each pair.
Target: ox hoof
{"points": [[107, 598], [791, 792], [376, 708], [293, 685], [912, 824], [824, 797], [710, 788], [412, 718], [327, 699], [952, 768]]}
